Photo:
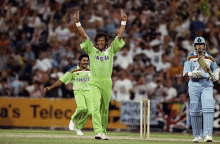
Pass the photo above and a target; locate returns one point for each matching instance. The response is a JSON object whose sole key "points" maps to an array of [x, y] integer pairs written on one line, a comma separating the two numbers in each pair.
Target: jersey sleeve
{"points": [[186, 68], [67, 77], [214, 66], [116, 45], [87, 46]]}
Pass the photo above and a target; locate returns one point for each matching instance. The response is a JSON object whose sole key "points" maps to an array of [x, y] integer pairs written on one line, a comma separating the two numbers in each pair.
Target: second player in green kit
{"points": [[80, 76], [101, 63]]}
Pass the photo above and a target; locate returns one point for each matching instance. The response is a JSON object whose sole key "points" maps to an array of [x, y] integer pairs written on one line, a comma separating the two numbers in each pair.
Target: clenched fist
{"points": [[195, 73], [215, 76]]}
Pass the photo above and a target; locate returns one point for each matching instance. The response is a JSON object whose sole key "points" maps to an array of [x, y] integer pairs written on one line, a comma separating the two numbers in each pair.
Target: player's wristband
{"points": [[189, 73], [78, 24], [123, 22]]}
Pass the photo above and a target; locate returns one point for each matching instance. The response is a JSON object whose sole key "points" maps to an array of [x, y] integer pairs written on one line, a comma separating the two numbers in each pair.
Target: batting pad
{"points": [[208, 105], [208, 118], [196, 122], [195, 108]]}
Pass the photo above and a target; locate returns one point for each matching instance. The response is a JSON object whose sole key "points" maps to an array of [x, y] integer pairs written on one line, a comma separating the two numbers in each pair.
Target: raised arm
{"points": [[79, 27], [123, 23]]}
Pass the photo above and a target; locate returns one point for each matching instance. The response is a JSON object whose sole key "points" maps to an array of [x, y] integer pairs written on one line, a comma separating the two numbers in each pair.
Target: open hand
{"points": [[123, 16], [46, 89]]}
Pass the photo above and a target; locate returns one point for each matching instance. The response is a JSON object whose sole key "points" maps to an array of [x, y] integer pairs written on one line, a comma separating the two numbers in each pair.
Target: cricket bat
{"points": [[204, 66]]}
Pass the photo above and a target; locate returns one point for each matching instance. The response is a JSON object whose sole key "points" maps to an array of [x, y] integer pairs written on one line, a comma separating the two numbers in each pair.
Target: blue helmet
{"points": [[199, 40]]}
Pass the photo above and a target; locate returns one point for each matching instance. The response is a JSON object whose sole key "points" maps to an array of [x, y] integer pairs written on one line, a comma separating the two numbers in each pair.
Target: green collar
{"points": [[78, 67]]}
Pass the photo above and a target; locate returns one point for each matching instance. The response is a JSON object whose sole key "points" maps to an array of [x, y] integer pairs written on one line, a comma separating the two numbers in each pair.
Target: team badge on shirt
{"points": [[106, 52], [77, 73]]}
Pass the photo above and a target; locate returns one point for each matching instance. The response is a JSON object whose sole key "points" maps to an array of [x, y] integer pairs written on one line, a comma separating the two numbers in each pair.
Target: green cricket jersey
{"points": [[80, 78], [101, 62]]}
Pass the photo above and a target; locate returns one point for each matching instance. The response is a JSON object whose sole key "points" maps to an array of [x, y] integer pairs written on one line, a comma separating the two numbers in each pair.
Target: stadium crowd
{"points": [[39, 42]]}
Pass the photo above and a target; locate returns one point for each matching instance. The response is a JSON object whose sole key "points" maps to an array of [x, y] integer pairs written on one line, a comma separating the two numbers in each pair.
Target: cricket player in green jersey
{"points": [[80, 76], [101, 63]]}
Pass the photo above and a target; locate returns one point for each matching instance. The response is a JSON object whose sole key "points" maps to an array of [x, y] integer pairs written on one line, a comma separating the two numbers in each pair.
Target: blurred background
{"points": [[39, 42]]}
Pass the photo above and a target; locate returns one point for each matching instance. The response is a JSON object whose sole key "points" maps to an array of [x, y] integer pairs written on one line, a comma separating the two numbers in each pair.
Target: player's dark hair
{"points": [[101, 34], [82, 56]]}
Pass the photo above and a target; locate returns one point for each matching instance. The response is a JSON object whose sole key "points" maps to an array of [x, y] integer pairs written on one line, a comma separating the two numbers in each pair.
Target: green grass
{"points": [[15, 136]]}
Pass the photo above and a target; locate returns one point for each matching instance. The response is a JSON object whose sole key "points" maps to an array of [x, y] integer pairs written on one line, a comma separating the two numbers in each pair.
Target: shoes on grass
{"points": [[72, 126], [98, 135], [78, 131], [197, 139], [208, 138], [104, 137], [101, 136]]}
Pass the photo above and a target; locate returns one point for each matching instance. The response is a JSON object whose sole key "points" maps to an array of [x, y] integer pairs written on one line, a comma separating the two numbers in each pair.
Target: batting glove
{"points": [[215, 76], [195, 73]]}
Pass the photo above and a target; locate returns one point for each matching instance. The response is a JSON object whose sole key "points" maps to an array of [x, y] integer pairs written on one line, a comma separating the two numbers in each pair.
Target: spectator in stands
{"points": [[53, 61], [3, 87], [53, 24], [149, 73], [168, 46], [182, 98], [13, 65], [29, 54], [44, 9], [188, 43], [7, 92], [157, 90], [67, 51], [54, 92], [27, 72], [122, 87], [62, 32], [180, 85], [164, 65], [196, 26], [156, 54], [40, 76], [56, 73], [124, 60], [132, 79], [43, 64], [109, 24], [36, 90], [70, 63], [67, 91], [213, 50], [171, 92], [17, 88], [22, 43], [139, 63], [33, 19], [175, 69], [5, 44], [140, 90]]}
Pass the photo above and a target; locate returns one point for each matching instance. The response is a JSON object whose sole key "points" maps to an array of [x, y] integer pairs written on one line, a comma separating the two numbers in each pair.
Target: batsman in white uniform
{"points": [[201, 91]]}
